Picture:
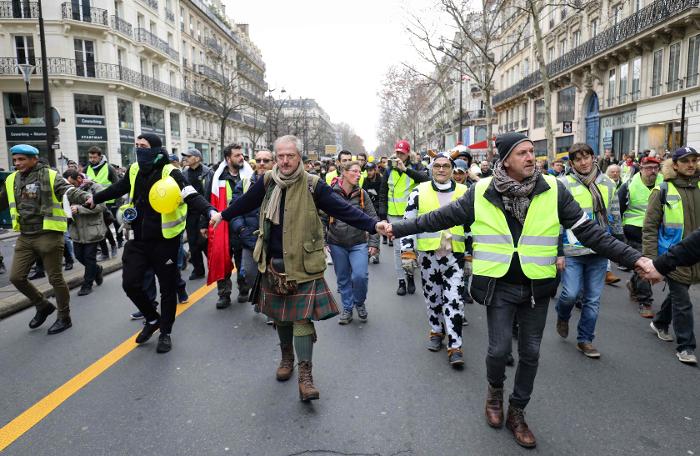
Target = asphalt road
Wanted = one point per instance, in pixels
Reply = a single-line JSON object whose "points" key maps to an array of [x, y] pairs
{"points": [[382, 392]]}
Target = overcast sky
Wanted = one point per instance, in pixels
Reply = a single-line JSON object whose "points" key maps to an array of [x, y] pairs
{"points": [[333, 51]]}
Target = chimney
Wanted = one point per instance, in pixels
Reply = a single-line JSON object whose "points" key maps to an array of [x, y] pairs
{"points": [[243, 28]]}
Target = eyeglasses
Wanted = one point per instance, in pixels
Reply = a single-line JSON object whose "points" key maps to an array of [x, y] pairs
{"points": [[262, 160], [445, 166]]}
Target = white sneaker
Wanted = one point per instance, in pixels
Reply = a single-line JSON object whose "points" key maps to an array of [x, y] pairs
{"points": [[687, 357], [661, 333]]}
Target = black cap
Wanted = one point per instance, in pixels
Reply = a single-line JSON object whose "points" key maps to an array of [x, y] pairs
{"points": [[153, 140], [371, 165], [506, 142]]}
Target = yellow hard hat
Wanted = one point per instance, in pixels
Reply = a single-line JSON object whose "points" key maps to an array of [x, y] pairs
{"points": [[165, 195]]}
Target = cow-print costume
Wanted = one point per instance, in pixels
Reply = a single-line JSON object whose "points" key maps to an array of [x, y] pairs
{"points": [[442, 278]]}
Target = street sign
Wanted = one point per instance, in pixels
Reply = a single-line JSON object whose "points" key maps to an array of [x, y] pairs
{"points": [[55, 117], [55, 146], [567, 127], [331, 150]]}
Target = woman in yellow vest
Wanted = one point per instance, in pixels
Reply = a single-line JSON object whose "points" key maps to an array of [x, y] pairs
{"points": [[515, 218], [440, 259], [156, 237]]}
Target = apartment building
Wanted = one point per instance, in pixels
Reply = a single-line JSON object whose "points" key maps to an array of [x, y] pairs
{"points": [[306, 119], [118, 68], [619, 72]]}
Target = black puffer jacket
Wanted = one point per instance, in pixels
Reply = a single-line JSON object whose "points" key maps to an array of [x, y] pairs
{"points": [[344, 235], [461, 212]]}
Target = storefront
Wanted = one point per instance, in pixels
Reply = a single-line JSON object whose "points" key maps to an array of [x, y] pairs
{"points": [[23, 125], [153, 121], [660, 124], [90, 125], [617, 132], [127, 138], [203, 148], [563, 143]]}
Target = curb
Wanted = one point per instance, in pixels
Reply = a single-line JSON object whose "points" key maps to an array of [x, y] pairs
{"points": [[18, 302]]}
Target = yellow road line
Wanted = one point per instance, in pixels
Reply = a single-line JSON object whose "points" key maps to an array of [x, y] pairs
{"points": [[37, 412]]}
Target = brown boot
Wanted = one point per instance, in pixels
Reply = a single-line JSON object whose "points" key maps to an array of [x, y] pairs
{"points": [[307, 390], [611, 278], [517, 425], [494, 407], [284, 371]]}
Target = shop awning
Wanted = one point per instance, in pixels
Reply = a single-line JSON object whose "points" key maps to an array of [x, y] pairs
{"points": [[480, 145]]}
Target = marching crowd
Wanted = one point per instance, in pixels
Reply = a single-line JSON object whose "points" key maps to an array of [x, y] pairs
{"points": [[507, 234]]}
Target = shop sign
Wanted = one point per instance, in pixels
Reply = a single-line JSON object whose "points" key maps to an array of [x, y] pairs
{"points": [[25, 134], [91, 134], [623, 120], [126, 135], [692, 106], [89, 121]]}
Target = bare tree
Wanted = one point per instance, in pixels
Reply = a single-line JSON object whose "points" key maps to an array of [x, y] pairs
{"points": [[255, 120], [475, 47], [218, 93], [351, 141]]}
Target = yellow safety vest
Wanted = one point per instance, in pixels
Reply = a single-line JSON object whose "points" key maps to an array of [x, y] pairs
{"points": [[671, 229], [172, 223], [330, 176], [537, 246], [101, 178], [638, 200], [582, 195], [56, 222], [400, 187], [427, 202]]}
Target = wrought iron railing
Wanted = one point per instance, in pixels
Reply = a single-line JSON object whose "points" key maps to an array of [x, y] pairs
{"points": [[692, 80], [84, 14], [152, 3], [674, 85], [644, 19], [21, 9], [214, 45], [170, 15], [249, 73], [122, 26], [210, 73], [252, 98], [144, 36]]}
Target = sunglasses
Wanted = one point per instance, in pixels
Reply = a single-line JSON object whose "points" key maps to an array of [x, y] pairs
{"points": [[262, 160]]}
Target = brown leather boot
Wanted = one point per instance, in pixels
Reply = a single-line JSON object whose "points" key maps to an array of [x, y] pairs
{"points": [[517, 425], [494, 407], [284, 371], [307, 390]]}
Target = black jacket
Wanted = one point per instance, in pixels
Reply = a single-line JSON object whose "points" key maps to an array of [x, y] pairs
{"points": [[373, 187], [147, 225], [685, 253], [570, 216]]}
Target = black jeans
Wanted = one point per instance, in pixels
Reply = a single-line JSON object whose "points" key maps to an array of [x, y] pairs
{"points": [[677, 308], [87, 255], [161, 256], [509, 301], [641, 287], [197, 243]]}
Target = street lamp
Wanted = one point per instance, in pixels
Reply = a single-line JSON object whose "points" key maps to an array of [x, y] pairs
{"points": [[26, 69]]}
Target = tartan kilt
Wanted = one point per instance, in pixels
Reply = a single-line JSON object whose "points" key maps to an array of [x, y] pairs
{"points": [[312, 300]]}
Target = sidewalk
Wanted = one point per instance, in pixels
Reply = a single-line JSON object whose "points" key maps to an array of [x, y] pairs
{"points": [[12, 301]]}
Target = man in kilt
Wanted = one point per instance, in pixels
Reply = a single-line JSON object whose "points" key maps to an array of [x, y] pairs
{"points": [[290, 254]]}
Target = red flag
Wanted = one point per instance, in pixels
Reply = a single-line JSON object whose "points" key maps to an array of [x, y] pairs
{"points": [[219, 256]]}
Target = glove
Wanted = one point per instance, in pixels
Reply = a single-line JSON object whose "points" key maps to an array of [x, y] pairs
{"points": [[408, 262]]}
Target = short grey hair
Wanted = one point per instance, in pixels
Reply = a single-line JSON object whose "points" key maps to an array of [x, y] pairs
{"points": [[286, 139]]}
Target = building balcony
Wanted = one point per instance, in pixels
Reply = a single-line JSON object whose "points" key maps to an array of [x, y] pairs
{"points": [[633, 26], [213, 45], [19, 10], [162, 46], [106, 72], [86, 14], [122, 26], [253, 76], [210, 74], [151, 3], [251, 98]]}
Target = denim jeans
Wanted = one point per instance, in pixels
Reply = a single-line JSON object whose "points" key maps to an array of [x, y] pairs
{"points": [[587, 273], [350, 265], [677, 308], [509, 301]]}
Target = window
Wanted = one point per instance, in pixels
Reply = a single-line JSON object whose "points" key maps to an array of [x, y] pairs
{"points": [[624, 69], [153, 28], [84, 57], [24, 47], [523, 116], [674, 65], [576, 39], [539, 114], [526, 67], [550, 54], [636, 74], [16, 110], [191, 25], [565, 104], [174, 125], [152, 120], [594, 27], [21, 9], [182, 19], [80, 10], [562, 47], [155, 69], [88, 105], [616, 14], [125, 111], [693, 57], [656, 72], [612, 82]]}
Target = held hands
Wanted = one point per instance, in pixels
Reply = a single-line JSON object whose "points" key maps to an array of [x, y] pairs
{"points": [[373, 251], [384, 228], [645, 268], [561, 263]]}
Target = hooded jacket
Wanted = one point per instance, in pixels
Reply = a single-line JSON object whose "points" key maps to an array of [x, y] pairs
{"points": [[690, 197]]}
